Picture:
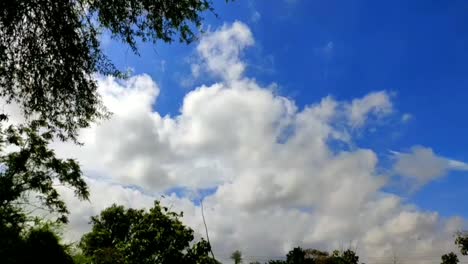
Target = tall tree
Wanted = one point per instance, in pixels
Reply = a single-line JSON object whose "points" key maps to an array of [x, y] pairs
{"points": [[130, 236], [27, 182], [49, 52], [236, 256], [450, 258]]}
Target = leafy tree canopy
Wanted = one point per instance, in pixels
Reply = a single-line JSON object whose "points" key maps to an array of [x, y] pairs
{"points": [[462, 242], [34, 245], [49, 51], [450, 258], [30, 172], [122, 235]]}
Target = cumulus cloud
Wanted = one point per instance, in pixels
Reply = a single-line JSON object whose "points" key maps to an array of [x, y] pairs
{"points": [[220, 50], [423, 165], [275, 179]]}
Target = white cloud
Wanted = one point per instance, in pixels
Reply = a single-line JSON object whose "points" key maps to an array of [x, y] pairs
{"points": [[255, 16], [220, 50], [377, 104], [422, 165], [278, 181]]}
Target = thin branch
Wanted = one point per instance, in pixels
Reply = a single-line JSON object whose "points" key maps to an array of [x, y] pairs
{"points": [[206, 228]]}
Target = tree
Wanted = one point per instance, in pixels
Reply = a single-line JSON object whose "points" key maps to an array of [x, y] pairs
{"points": [[29, 174], [295, 256], [346, 257], [43, 246], [32, 170], [49, 53], [314, 256], [122, 235], [450, 258], [237, 257], [277, 262], [50, 50], [318, 257], [79, 258], [462, 242], [36, 245]]}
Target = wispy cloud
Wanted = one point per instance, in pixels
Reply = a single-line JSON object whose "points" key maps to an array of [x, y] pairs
{"points": [[255, 16], [423, 165], [405, 118]]}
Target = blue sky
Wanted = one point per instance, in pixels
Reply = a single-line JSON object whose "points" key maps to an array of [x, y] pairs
{"points": [[416, 50]]}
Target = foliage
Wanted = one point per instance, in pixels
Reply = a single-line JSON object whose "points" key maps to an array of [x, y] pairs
{"points": [[79, 258], [276, 262], [297, 256], [36, 245], [462, 242], [50, 50], [237, 257], [27, 178], [31, 172], [122, 235], [314, 256], [43, 246], [450, 258], [149, 20], [319, 257], [346, 257]]}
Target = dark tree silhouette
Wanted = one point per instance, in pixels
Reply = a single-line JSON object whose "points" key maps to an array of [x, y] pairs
{"points": [[314, 256], [296, 256], [236, 256], [38, 245], [450, 258], [462, 242]]}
